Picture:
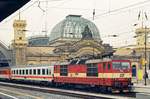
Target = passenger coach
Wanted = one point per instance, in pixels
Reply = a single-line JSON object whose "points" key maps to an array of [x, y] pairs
{"points": [[42, 73]]}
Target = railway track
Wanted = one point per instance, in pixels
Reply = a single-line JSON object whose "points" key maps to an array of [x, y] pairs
{"points": [[72, 93]]}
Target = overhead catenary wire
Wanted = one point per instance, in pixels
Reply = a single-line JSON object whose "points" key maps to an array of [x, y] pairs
{"points": [[122, 8], [26, 8], [20, 11], [96, 16], [111, 11]]}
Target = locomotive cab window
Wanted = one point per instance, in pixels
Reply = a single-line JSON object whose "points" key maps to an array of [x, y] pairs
{"points": [[63, 70], [125, 65], [92, 70], [121, 65]]}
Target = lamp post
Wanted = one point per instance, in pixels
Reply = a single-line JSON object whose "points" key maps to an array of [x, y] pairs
{"points": [[145, 29], [145, 57], [145, 48]]}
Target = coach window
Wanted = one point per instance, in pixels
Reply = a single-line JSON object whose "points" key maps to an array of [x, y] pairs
{"points": [[34, 71], [26, 71], [20, 72], [17, 72], [46, 71], [108, 66], [23, 72], [38, 71], [43, 71], [30, 71]]}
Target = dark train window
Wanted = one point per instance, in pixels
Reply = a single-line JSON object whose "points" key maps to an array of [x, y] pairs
{"points": [[92, 70], [43, 71], [38, 72], [17, 71], [23, 72], [47, 71], [34, 71], [108, 66], [30, 71], [26, 71], [63, 70], [104, 66]]}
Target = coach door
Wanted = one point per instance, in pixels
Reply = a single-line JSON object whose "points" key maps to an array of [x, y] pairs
{"points": [[106, 66], [133, 70]]}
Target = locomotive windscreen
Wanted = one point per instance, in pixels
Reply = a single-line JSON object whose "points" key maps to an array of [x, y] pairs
{"points": [[121, 65]]}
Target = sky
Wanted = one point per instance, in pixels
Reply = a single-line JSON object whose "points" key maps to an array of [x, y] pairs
{"points": [[112, 17]]}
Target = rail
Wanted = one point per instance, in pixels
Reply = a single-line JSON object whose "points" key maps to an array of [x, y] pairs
{"points": [[73, 93]]}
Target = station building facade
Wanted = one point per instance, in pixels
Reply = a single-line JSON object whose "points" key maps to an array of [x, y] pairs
{"points": [[73, 37]]}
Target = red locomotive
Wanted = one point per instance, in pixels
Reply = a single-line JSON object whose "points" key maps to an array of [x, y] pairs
{"points": [[102, 74]]}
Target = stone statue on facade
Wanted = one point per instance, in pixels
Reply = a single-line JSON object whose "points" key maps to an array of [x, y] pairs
{"points": [[87, 34]]}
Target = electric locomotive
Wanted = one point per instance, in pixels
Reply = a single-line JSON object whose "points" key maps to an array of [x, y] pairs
{"points": [[102, 74]]}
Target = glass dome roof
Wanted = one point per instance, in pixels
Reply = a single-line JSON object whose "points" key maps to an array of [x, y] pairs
{"points": [[72, 27]]}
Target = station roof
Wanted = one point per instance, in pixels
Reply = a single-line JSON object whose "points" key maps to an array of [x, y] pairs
{"points": [[7, 7]]}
